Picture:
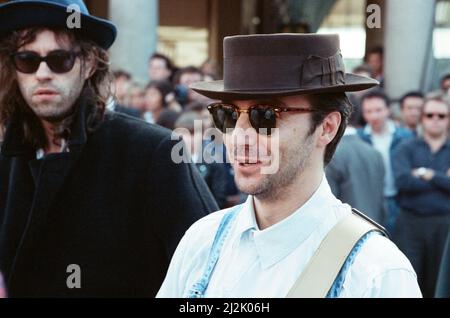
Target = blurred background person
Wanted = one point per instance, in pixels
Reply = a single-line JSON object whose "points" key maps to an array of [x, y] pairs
{"points": [[382, 133], [234, 196], [135, 97], [121, 84], [356, 174], [213, 173], [375, 60], [210, 70], [445, 85], [355, 97], [120, 87], [200, 107], [444, 88], [168, 119], [411, 110], [363, 70], [160, 68], [422, 169], [183, 79], [159, 96]]}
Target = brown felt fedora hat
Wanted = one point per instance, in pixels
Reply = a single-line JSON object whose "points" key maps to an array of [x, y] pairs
{"points": [[280, 65]]}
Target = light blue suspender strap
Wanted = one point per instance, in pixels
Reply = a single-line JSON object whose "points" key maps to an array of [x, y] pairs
{"points": [[199, 288], [338, 284]]}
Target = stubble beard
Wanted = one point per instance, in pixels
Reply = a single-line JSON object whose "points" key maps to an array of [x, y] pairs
{"points": [[58, 110], [293, 162]]}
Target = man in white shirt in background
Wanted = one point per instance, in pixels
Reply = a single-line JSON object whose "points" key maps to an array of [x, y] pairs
{"points": [[282, 97], [385, 136]]}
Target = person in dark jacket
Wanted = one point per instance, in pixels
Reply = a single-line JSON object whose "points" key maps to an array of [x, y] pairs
{"points": [[356, 175], [384, 136], [214, 173], [422, 167], [91, 202]]}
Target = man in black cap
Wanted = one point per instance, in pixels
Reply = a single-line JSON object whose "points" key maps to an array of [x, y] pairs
{"points": [[282, 109], [91, 204]]}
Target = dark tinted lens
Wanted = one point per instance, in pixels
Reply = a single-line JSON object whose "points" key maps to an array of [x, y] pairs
{"points": [[263, 119], [60, 61], [26, 62], [224, 116], [431, 115]]}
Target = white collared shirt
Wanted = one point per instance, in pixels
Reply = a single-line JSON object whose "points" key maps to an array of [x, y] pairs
{"points": [[382, 142], [266, 264]]}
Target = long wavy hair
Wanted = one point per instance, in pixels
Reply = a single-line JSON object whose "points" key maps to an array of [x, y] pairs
{"points": [[97, 89]]}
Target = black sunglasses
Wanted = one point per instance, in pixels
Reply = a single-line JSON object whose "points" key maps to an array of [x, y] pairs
{"points": [[262, 117], [431, 115], [59, 61]]}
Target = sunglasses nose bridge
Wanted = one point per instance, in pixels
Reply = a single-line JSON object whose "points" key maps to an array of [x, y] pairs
{"points": [[243, 122]]}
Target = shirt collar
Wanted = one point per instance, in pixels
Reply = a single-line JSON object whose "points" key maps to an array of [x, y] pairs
{"points": [[278, 241], [390, 128]]}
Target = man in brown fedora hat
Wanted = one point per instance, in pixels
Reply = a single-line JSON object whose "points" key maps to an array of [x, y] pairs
{"points": [[283, 96]]}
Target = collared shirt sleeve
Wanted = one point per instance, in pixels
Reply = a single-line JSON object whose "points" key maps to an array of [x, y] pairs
{"points": [[395, 283]]}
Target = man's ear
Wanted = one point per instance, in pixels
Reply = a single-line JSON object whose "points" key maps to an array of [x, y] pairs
{"points": [[330, 127]]}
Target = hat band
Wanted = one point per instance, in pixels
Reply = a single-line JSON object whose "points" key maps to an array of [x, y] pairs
{"points": [[282, 72]]}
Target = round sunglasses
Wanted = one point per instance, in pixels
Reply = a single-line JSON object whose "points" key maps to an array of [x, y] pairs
{"points": [[59, 61], [262, 117]]}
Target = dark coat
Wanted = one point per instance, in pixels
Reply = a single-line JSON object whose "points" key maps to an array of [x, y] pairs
{"points": [[215, 176], [116, 205], [127, 111], [356, 176]]}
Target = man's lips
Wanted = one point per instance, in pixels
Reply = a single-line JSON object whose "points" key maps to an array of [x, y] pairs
{"points": [[45, 92], [249, 161]]}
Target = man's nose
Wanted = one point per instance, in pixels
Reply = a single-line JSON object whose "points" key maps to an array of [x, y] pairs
{"points": [[44, 73], [244, 134]]}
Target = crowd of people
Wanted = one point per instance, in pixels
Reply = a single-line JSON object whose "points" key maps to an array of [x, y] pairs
{"points": [[394, 164], [80, 184], [168, 101]]}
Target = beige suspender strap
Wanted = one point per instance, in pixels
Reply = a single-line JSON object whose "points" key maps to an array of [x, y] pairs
{"points": [[323, 268]]}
